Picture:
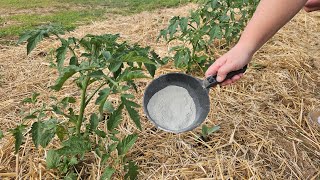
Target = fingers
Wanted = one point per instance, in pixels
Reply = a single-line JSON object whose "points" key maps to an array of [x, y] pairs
{"points": [[232, 80], [213, 69], [224, 70]]}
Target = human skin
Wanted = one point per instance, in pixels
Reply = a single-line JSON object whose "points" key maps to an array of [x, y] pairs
{"points": [[270, 16]]}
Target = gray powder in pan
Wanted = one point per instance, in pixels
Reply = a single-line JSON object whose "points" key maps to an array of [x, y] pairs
{"points": [[172, 108]]}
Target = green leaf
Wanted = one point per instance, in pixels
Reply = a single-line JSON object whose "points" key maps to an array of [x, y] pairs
{"points": [[48, 133], [108, 107], [94, 121], [151, 69], [213, 129], [112, 147], [106, 175], [134, 116], [132, 171], [17, 133], [214, 4], [124, 146], [1, 135], [34, 40], [65, 101], [61, 53], [52, 159], [100, 133], [183, 24], [26, 35], [115, 118], [97, 74], [31, 116], [103, 95], [205, 130], [75, 145], [36, 132], [107, 55], [115, 66], [65, 75], [61, 132], [128, 75], [134, 57], [127, 96], [104, 158], [33, 99]]}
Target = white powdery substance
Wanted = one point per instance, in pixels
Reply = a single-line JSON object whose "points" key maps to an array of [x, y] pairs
{"points": [[172, 108]]}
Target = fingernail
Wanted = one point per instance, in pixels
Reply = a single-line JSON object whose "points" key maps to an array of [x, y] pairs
{"points": [[219, 78]]}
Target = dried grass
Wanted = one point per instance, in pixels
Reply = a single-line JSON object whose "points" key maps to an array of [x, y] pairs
{"points": [[265, 132]]}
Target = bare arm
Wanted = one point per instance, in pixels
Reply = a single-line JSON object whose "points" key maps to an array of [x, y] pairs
{"points": [[269, 17]]}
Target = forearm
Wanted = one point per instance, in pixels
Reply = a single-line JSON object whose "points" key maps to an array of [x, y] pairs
{"points": [[269, 17]]}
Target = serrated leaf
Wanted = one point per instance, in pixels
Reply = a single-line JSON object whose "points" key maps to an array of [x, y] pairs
{"points": [[36, 132], [25, 36], [183, 24], [127, 96], [132, 171], [75, 145], [17, 133], [48, 133], [65, 75], [94, 121], [34, 40], [151, 69], [100, 133], [134, 57], [52, 159], [108, 172], [134, 116], [97, 74], [132, 74], [61, 132], [61, 53], [115, 66], [115, 118], [108, 107], [124, 146], [103, 95]]}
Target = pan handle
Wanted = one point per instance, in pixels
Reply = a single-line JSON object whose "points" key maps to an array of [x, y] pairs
{"points": [[212, 80]]}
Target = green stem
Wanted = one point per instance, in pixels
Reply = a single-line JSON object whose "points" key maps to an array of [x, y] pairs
{"points": [[95, 92], [83, 104]]}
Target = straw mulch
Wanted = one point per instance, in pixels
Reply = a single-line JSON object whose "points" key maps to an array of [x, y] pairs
{"points": [[265, 131]]}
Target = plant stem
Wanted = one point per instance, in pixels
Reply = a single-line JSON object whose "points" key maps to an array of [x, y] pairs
{"points": [[83, 104]]}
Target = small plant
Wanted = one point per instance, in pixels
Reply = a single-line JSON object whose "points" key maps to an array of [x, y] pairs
{"points": [[206, 131], [215, 19], [99, 66]]}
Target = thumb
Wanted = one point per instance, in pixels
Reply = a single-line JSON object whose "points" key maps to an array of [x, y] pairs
{"points": [[223, 71]]}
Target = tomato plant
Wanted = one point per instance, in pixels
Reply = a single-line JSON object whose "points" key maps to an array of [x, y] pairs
{"points": [[215, 19], [99, 66]]}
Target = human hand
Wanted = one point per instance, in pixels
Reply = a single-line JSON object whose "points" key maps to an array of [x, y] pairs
{"points": [[233, 60]]}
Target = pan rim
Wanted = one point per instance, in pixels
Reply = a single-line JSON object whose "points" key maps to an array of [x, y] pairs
{"points": [[189, 128]]}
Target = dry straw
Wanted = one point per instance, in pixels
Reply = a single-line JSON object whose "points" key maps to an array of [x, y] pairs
{"points": [[265, 132]]}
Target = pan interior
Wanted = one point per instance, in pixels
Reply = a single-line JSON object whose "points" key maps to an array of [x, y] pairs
{"points": [[191, 84]]}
